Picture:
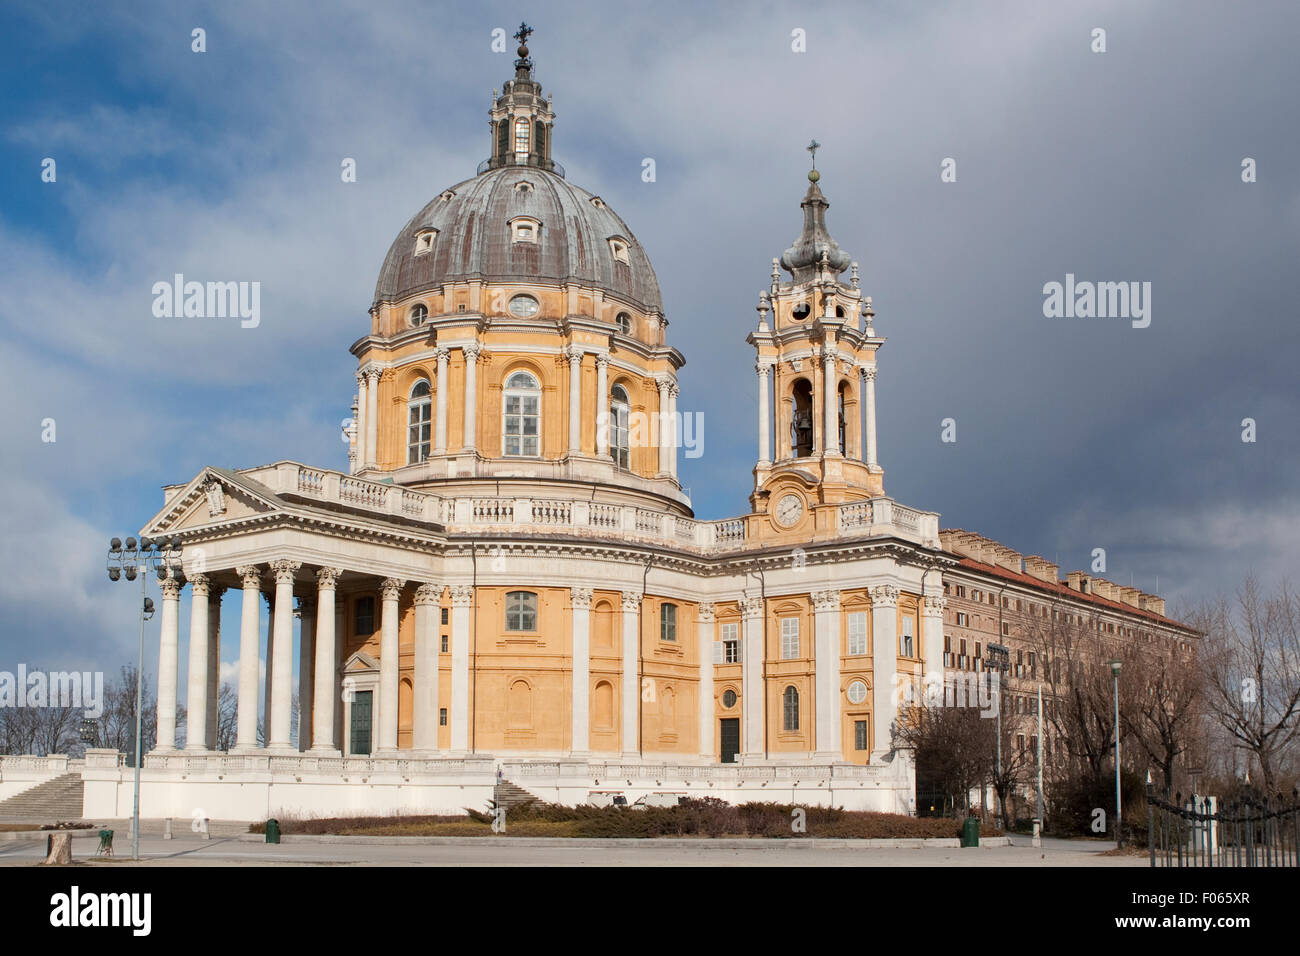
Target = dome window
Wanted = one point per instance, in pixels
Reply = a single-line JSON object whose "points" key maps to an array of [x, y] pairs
{"points": [[618, 248], [525, 229], [521, 414], [624, 322], [523, 186], [597, 202], [418, 424], [419, 314], [524, 306], [448, 195], [521, 140], [424, 241], [800, 311]]}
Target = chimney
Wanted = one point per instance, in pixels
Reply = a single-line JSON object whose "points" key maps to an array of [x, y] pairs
{"points": [[1103, 588], [1149, 602], [1129, 596], [1079, 581], [1009, 558], [1036, 567]]}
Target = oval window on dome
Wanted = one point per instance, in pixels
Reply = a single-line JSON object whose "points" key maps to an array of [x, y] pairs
{"points": [[524, 306], [801, 311]]}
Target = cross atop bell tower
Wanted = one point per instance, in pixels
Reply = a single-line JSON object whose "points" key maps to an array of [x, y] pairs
{"points": [[816, 364]]}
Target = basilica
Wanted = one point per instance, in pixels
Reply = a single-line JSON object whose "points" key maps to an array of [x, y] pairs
{"points": [[507, 582]]}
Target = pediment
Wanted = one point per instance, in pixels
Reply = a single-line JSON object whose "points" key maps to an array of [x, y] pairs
{"points": [[211, 498], [360, 662]]}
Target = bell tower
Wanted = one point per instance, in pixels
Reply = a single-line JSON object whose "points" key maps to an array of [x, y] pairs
{"points": [[521, 118], [816, 364]]}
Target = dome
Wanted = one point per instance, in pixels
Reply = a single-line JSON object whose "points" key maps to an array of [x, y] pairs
{"points": [[579, 238], [804, 257]]}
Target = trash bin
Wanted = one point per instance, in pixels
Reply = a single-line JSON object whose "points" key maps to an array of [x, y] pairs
{"points": [[105, 843], [970, 832], [272, 831]]}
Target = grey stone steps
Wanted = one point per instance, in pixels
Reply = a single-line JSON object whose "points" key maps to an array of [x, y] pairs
{"points": [[50, 802]]}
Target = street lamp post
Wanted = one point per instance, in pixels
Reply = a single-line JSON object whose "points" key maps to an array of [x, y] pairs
{"points": [[1000, 655], [128, 562], [1119, 833]]}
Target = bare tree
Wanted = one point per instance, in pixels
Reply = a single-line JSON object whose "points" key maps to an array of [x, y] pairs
{"points": [[1250, 662], [1161, 708]]}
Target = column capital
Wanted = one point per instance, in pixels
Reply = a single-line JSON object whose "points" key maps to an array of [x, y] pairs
{"points": [[933, 605], [328, 578], [171, 588], [391, 588], [705, 612], [580, 598], [869, 371], [284, 570], [574, 353], [631, 600], [472, 351], [372, 372], [826, 600], [663, 382], [250, 575], [886, 595], [751, 608], [673, 389], [427, 594], [763, 368], [361, 379], [441, 353], [462, 595], [602, 360], [215, 591], [199, 585]]}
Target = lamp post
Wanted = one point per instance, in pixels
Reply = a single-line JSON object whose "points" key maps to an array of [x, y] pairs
{"points": [[1119, 833], [136, 559], [1000, 655]]}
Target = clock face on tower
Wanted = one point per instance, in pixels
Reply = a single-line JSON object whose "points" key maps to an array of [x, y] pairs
{"points": [[789, 510]]}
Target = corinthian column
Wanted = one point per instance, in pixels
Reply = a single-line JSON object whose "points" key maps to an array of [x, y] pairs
{"points": [[324, 686], [884, 666], [831, 425], [391, 591], [360, 427], [631, 673], [214, 661], [196, 698], [665, 425], [764, 401], [574, 354], [246, 716], [462, 602], [869, 373], [282, 669], [580, 736], [424, 735], [826, 625], [306, 673], [167, 653], [440, 421], [706, 619], [752, 691], [602, 404], [372, 414], [472, 351], [672, 429]]}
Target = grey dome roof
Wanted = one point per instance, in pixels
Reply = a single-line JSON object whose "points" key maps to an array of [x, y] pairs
{"points": [[802, 258], [474, 239]]}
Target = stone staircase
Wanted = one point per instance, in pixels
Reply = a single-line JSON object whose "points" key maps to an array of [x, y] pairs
{"points": [[50, 802], [506, 794]]}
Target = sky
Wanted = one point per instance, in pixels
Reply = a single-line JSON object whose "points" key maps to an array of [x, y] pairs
{"points": [[1072, 434]]}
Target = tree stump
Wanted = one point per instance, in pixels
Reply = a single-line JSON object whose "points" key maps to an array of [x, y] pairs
{"points": [[60, 848]]}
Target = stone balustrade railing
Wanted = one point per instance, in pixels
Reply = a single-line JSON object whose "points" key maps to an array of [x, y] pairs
{"points": [[28, 762], [597, 771], [869, 518]]}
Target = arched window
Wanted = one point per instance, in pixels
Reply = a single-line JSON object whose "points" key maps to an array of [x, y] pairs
{"points": [[624, 322], [844, 422], [521, 140], [790, 706], [801, 424], [521, 611], [619, 441], [418, 423], [521, 413], [419, 313]]}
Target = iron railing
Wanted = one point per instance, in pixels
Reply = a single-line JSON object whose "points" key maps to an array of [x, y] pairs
{"points": [[1250, 830]]}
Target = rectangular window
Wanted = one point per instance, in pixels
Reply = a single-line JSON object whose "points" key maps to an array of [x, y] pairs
{"points": [[668, 622], [442, 716], [522, 425], [1006, 629], [418, 432], [978, 650], [789, 638], [961, 590], [363, 616], [521, 611], [905, 640], [858, 632], [963, 620], [444, 643], [860, 735], [730, 643], [444, 615]]}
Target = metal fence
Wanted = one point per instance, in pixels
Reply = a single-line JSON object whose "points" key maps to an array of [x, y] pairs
{"points": [[1251, 829]]}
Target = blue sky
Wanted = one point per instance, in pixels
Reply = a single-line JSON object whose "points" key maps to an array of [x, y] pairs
{"points": [[1072, 434]]}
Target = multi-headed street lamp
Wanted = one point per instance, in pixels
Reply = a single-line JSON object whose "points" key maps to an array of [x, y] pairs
{"points": [[1119, 832], [130, 561]]}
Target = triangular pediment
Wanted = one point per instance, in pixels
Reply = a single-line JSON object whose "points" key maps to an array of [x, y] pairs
{"points": [[360, 662], [212, 497]]}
